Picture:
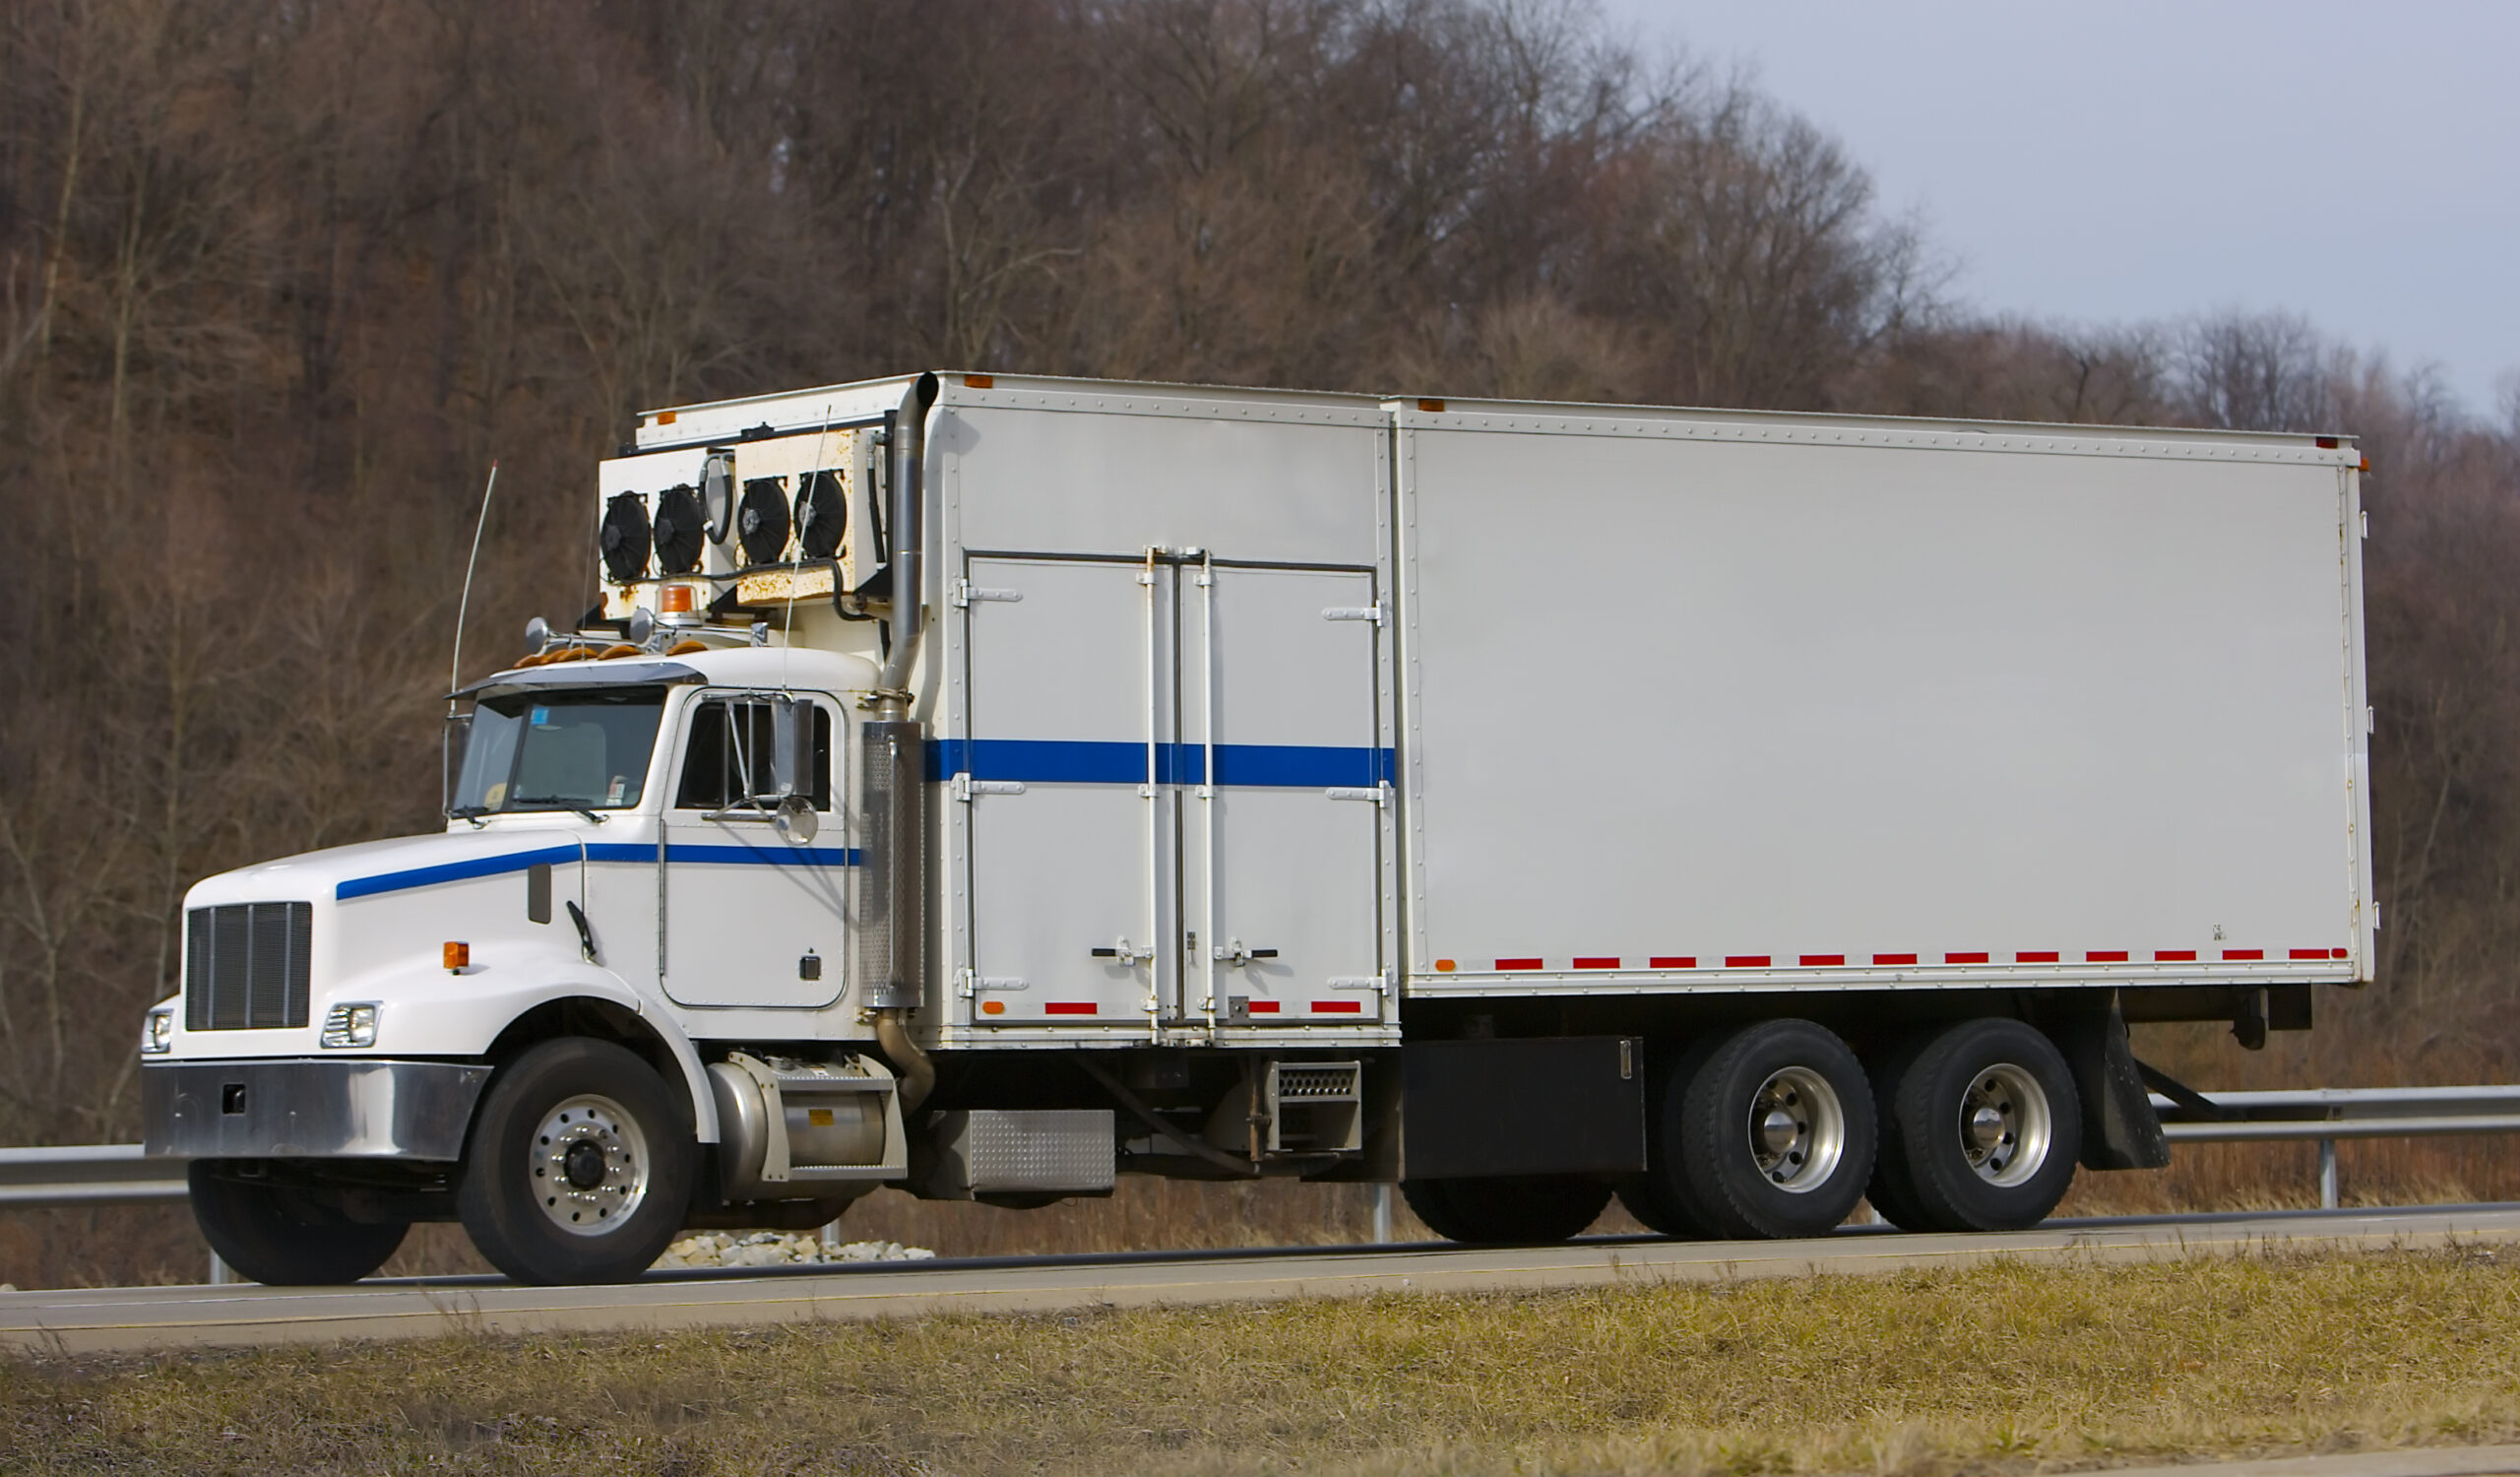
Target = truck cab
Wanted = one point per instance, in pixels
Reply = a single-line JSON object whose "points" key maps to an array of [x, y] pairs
{"points": [[640, 851]]}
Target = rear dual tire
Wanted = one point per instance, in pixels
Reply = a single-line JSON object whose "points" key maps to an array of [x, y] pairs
{"points": [[1507, 1209], [1981, 1130], [1764, 1133]]}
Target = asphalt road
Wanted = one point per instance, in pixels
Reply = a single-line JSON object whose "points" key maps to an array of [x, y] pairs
{"points": [[137, 1318]]}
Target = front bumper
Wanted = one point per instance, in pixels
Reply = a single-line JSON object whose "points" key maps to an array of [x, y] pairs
{"points": [[310, 1110]]}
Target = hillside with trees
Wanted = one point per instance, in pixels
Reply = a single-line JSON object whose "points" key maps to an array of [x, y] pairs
{"points": [[278, 281]]}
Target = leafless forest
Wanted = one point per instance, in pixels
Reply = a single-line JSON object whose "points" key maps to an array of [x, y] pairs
{"points": [[279, 279]]}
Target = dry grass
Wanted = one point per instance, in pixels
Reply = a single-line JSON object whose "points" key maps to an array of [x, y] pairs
{"points": [[1998, 1369]]}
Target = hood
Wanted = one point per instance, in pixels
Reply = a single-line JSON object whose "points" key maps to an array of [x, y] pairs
{"points": [[321, 876]]}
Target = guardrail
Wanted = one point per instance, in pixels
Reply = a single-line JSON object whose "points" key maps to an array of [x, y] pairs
{"points": [[91, 1174], [122, 1173], [2324, 1115]]}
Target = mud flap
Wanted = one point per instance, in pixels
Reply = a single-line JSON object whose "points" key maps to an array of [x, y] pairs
{"points": [[2121, 1130]]}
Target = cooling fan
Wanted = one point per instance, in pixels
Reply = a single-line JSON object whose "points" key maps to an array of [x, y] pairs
{"points": [[625, 538], [680, 522], [761, 521], [821, 514]]}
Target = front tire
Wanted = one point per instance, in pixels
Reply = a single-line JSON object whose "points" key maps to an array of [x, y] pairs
{"points": [[1507, 1209], [284, 1236], [580, 1166], [1981, 1127]]}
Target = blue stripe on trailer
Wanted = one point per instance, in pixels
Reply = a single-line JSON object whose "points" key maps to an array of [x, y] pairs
{"points": [[450, 871], [1047, 761]]}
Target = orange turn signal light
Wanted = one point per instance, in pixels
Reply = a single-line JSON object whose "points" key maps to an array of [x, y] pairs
{"points": [[457, 955], [1443, 966], [674, 599]]}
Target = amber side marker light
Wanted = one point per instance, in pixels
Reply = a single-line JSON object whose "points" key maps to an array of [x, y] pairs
{"points": [[459, 955], [674, 599], [1443, 966], [980, 381], [1431, 407]]}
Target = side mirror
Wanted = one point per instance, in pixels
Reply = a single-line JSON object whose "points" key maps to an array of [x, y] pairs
{"points": [[459, 729], [718, 493], [796, 821], [792, 748]]}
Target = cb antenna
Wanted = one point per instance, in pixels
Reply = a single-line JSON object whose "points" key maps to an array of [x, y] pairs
{"points": [[455, 669]]}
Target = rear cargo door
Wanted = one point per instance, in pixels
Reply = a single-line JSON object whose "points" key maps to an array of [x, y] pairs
{"points": [[1286, 789], [1073, 809]]}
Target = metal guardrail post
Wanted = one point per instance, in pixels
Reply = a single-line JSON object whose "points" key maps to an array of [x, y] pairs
{"points": [[1382, 1213], [2327, 1174]]}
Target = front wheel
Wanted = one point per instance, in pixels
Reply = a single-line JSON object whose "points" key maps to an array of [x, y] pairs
{"points": [[284, 1236], [1507, 1209], [580, 1166]]}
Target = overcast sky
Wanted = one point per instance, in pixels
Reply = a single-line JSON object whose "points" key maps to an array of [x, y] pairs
{"points": [[2134, 160]]}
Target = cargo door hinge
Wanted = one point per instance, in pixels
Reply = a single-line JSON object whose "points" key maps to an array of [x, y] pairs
{"points": [[972, 982], [965, 786], [1375, 613], [965, 594], [1377, 794]]}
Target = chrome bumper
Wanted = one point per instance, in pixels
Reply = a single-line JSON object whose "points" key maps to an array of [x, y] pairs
{"points": [[309, 1110]]}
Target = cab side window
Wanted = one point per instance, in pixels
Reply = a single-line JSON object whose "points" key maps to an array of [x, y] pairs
{"points": [[727, 763]]}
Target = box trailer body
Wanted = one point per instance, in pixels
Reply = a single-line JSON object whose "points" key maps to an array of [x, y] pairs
{"points": [[1268, 782]]}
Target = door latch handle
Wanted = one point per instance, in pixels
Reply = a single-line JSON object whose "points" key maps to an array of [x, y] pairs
{"points": [[1124, 954], [1234, 955]]}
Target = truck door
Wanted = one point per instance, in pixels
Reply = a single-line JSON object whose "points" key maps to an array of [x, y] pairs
{"points": [[1067, 773], [1288, 786], [750, 918], [1110, 882]]}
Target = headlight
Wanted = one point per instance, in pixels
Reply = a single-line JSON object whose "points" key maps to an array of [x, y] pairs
{"points": [[352, 1025], [157, 1032]]}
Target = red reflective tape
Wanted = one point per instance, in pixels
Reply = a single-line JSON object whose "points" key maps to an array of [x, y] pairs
{"points": [[1338, 1007], [2338, 953], [1823, 958], [1068, 1007], [1893, 958], [1262, 1007], [1673, 961], [2309, 953], [2035, 956], [1746, 961], [1975, 958], [1517, 964], [2243, 954], [2169, 956], [1596, 961], [2107, 956]]}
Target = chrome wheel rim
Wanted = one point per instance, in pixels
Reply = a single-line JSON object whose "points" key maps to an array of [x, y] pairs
{"points": [[589, 1165], [1797, 1129], [2005, 1127]]}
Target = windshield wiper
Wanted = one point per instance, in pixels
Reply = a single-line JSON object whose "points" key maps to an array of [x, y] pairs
{"points": [[559, 803], [472, 813]]}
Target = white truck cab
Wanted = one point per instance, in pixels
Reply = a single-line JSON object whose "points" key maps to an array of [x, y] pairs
{"points": [[989, 786]]}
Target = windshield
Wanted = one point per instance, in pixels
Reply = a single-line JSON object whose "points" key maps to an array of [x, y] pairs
{"points": [[580, 751]]}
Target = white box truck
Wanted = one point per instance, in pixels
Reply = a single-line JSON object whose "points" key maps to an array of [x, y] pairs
{"points": [[989, 786]]}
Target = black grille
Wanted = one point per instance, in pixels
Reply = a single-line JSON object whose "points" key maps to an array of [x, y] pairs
{"points": [[245, 966]]}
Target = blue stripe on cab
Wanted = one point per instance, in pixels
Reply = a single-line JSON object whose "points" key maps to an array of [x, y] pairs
{"points": [[451, 871], [1041, 761]]}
